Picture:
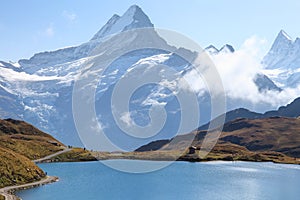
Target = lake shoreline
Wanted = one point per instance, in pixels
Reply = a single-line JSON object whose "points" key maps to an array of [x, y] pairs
{"points": [[79, 155], [171, 156], [9, 191]]}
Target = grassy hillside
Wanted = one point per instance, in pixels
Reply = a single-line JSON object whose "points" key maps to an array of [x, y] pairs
{"points": [[272, 139], [16, 169], [277, 134], [27, 140], [20, 143], [75, 155]]}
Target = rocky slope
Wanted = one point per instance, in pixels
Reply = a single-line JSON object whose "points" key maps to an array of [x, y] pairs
{"points": [[290, 110]]}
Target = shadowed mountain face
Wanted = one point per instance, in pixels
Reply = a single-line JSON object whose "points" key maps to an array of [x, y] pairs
{"points": [[275, 134], [290, 110]]}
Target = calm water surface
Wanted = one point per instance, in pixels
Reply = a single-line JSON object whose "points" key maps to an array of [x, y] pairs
{"points": [[181, 180]]}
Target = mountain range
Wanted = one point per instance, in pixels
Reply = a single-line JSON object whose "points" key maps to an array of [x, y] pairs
{"points": [[39, 89], [291, 110]]}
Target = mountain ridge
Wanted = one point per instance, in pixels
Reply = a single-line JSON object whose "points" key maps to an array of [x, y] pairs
{"points": [[274, 139], [212, 50], [290, 110]]}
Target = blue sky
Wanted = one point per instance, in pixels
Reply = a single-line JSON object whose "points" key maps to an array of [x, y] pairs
{"points": [[32, 26]]}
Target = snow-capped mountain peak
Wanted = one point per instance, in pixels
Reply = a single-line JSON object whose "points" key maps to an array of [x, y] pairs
{"points": [[283, 60], [134, 17], [106, 28], [227, 49], [212, 50], [282, 33], [282, 42], [280, 48]]}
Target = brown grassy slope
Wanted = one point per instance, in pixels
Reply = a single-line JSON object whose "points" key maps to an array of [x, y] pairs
{"points": [[16, 169], [27, 140], [277, 134], [276, 138], [75, 155]]}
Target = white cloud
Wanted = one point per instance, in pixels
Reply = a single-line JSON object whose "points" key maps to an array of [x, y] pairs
{"points": [[98, 126], [48, 31], [193, 82], [126, 118], [237, 71], [70, 16]]}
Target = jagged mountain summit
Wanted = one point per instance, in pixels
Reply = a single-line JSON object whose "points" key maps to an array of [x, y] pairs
{"points": [[212, 50], [282, 62], [134, 17], [282, 47]]}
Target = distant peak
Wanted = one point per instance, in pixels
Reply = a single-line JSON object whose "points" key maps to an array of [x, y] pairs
{"points": [[282, 43], [282, 33], [212, 50], [211, 47], [227, 49], [134, 8], [133, 18], [140, 19], [113, 18]]}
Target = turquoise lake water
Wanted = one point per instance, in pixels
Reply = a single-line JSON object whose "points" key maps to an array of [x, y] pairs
{"points": [[181, 180]]}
